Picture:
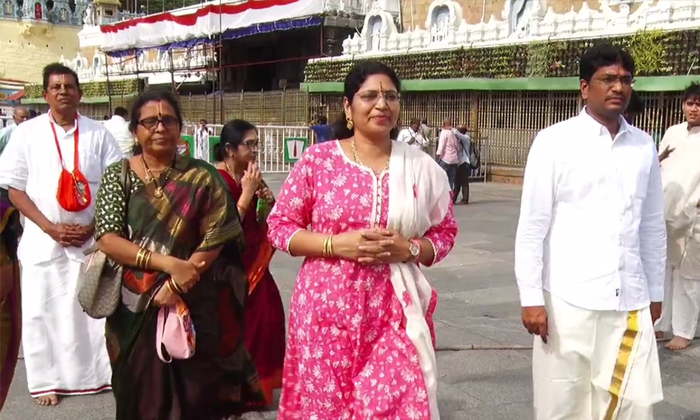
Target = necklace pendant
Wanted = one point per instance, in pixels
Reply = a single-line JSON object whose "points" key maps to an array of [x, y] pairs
{"points": [[158, 193]]}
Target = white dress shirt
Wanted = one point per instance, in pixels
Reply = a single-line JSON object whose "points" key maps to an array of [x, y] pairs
{"points": [[31, 164], [119, 129], [591, 229], [414, 138]]}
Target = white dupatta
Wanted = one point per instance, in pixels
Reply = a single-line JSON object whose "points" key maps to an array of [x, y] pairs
{"points": [[419, 198]]}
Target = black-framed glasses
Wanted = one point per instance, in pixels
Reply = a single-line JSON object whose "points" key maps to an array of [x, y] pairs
{"points": [[151, 123]]}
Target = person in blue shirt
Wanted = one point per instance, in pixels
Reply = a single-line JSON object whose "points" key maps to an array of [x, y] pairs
{"points": [[324, 132]]}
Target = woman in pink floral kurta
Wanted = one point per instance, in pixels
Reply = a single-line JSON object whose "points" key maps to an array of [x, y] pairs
{"points": [[348, 354]]}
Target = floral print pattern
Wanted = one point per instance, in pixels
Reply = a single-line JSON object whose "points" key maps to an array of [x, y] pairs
{"points": [[348, 355]]}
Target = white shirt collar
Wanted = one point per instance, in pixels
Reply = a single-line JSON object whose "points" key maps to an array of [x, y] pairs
{"points": [[590, 123]]}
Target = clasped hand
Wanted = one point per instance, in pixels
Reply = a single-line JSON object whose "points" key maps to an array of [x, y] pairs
{"points": [[70, 234], [372, 246], [185, 274]]}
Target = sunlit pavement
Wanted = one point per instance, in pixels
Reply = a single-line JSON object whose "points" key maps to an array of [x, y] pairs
{"points": [[478, 306]]}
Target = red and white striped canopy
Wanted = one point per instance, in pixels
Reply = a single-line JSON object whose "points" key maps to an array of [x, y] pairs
{"points": [[203, 21]]}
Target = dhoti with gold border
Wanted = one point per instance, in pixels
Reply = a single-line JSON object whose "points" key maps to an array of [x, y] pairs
{"points": [[597, 365]]}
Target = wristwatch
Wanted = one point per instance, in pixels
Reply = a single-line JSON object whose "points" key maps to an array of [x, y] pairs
{"points": [[414, 248]]}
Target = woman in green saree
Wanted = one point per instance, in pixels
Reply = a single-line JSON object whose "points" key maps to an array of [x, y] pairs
{"points": [[183, 242]]}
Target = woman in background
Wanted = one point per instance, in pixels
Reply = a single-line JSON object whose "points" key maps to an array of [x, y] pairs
{"points": [[236, 156], [10, 313]]}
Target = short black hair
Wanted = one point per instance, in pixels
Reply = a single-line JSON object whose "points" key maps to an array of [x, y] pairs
{"points": [[692, 91], [58, 68], [150, 96], [353, 80], [232, 135], [636, 105], [603, 55], [414, 121], [121, 111]]}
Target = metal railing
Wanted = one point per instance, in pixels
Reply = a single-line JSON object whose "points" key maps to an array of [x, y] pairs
{"points": [[271, 155]]}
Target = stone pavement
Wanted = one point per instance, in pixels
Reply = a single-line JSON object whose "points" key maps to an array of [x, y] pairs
{"points": [[478, 306]]}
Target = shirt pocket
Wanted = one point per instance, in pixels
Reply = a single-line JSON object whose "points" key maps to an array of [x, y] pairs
{"points": [[91, 167], [581, 184]]}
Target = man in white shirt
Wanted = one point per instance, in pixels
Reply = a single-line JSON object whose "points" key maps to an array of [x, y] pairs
{"points": [[20, 115], [118, 126], [413, 135], [64, 350], [201, 141], [590, 253], [681, 176]]}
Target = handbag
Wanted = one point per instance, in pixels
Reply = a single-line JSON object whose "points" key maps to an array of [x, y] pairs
{"points": [[100, 278], [175, 333]]}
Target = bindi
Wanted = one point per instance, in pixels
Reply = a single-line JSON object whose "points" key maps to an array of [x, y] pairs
{"points": [[159, 107]]}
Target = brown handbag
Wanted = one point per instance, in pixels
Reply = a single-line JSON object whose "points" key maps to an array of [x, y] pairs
{"points": [[100, 278]]}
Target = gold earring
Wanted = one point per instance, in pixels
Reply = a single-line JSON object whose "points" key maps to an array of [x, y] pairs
{"points": [[350, 124]]}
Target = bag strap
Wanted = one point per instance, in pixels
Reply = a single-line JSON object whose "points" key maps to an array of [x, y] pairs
{"points": [[125, 182]]}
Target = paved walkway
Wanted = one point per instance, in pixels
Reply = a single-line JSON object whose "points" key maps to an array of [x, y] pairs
{"points": [[478, 306]]}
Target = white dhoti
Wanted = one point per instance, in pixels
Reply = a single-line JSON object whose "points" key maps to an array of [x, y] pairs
{"points": [[597, 365], [64, 350], [681, 308]]}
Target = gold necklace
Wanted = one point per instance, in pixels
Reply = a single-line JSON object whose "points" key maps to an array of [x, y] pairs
{"points": [[158, 193], [233, 174], [359, 162]]}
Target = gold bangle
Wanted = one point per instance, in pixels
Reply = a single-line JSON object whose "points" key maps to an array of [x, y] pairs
{"points": [[139, 257], [147, 260], [169, 285], [328, 246], [176, 286]]}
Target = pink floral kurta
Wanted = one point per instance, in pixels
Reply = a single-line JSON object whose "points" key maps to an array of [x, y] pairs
{"points": [[348, 356]]}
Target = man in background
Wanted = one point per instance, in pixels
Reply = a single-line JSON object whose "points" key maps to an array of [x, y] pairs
{"points": [[413, 135], [464, 169], [119, 128], [20, 115], [680, 170], [323, 131], [201, 141]]}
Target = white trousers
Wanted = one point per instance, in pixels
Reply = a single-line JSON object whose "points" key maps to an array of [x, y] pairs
{"points": [[596, 365], [681, 308], [64, 350]]}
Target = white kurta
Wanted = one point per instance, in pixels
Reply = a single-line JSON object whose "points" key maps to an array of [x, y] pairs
{"points": [[681, 177], [201, 140], [64, 349], [591, 249]]}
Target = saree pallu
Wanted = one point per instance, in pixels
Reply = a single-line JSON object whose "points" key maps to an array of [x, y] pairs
{"points": [[193, 216], [264, 311], [10, 310]]}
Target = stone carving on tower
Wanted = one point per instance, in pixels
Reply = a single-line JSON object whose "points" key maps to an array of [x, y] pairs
{"points": [[31, 12]]}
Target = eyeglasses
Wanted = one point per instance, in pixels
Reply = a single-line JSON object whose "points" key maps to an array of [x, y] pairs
{"points": [[372, 96], [611, 80], [151, 123], [252, 144]]}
